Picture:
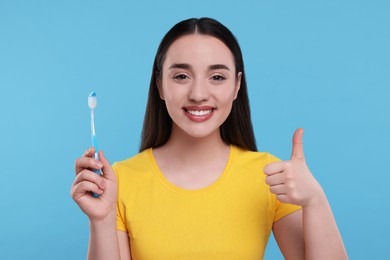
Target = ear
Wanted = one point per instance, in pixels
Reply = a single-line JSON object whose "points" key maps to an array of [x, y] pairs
{"points": [[238, 84], [159, 88]]}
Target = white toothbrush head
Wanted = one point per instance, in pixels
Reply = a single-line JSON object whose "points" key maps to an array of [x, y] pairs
{"points": [[92, 100]]}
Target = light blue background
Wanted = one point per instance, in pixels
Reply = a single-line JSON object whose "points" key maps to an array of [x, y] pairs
{"points": [[321, 65]]}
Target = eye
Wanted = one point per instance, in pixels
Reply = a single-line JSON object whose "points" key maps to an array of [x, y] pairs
{"points": [[180, 77], [218, 78]]}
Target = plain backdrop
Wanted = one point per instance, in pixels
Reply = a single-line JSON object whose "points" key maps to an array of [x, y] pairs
{"points": [[320, 65]]}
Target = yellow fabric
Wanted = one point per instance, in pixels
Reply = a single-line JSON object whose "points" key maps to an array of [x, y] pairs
{"points": [[230, 219]]}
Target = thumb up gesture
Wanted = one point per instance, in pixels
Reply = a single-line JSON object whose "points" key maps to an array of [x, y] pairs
{"points": [[291, 181]]}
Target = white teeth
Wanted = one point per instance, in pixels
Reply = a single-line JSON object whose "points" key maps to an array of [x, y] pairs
{"points": [[199, 112]]}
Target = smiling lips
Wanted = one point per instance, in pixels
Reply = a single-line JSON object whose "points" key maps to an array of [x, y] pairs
{"points": [[199, 113]]}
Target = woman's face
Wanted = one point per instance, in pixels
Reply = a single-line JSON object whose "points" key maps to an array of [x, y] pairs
{"points": [[199, 84]]}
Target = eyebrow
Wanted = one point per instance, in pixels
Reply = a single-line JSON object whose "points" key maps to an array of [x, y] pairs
{"points": [[188, 66], [218, 67]]}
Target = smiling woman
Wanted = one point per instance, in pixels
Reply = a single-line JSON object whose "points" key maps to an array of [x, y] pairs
{"points": [[237, 129], [198, 84], [199, 189]]}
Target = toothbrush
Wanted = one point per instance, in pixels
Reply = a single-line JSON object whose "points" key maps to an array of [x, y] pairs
{"points": [[92, 102]]}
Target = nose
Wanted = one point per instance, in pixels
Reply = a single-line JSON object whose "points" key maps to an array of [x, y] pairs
{"points": [[198, 91]]}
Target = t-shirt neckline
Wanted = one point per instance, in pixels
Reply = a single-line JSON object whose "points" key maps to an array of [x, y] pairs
{"points": [[178, 189]]}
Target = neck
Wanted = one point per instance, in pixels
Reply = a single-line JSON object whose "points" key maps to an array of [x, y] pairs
{"points": [[192, 162], [194, 149]]}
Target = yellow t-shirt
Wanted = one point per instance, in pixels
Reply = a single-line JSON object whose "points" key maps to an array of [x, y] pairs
{"points": [[230, 219]]}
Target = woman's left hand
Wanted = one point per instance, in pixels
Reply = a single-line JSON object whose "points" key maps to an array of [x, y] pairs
{"points": [[291, 181]]}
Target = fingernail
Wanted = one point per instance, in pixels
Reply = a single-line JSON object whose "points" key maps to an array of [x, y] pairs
{"points": [[89, 149]]}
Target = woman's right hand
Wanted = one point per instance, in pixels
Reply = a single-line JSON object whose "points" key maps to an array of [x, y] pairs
{"points": [[86, 181]]}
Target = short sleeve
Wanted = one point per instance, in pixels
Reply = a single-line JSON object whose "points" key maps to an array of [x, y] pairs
{"points": [[120, 220], [283, 209]]}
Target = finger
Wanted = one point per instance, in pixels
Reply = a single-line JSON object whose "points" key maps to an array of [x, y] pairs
{"points": [[297, 146], [108, 172], [275, 179], [84, 187], [284, 198], [87, 163], [274, 168], [89, 152], [90, 176], [278, 189]]}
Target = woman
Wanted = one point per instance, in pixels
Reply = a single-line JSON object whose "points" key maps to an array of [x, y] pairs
{"points": [[199, 189]]}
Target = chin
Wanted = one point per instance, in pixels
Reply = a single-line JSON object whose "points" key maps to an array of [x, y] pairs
{"points": [[199, 135]]}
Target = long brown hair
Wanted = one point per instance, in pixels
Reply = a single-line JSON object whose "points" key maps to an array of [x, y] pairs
{"points": [[237, 128]]}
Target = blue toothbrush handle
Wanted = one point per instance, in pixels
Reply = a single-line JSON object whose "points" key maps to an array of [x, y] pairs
{"points": [[95, 156]]}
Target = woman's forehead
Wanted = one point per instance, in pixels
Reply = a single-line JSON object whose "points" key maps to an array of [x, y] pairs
{"points": [[198, 49]]}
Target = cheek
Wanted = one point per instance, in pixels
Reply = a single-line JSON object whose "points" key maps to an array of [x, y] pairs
{"points": [[173, 96], [173, 100], [227, 97], [169, 90]]}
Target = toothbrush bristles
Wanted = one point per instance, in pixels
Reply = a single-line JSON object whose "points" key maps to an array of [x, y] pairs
{"points": [[92, 100]]}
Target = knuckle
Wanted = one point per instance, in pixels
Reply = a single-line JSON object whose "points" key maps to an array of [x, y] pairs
{"points": [[80, 164], [82, 174], [82, 185], [294, 196], [291, 186], [289, 175], [75, 190], [288, 165], [77, 162]]}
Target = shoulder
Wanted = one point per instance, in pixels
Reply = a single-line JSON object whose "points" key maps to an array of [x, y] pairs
{"points": [[134, 173], [249, 165], [255, 158], [134, 165]]}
